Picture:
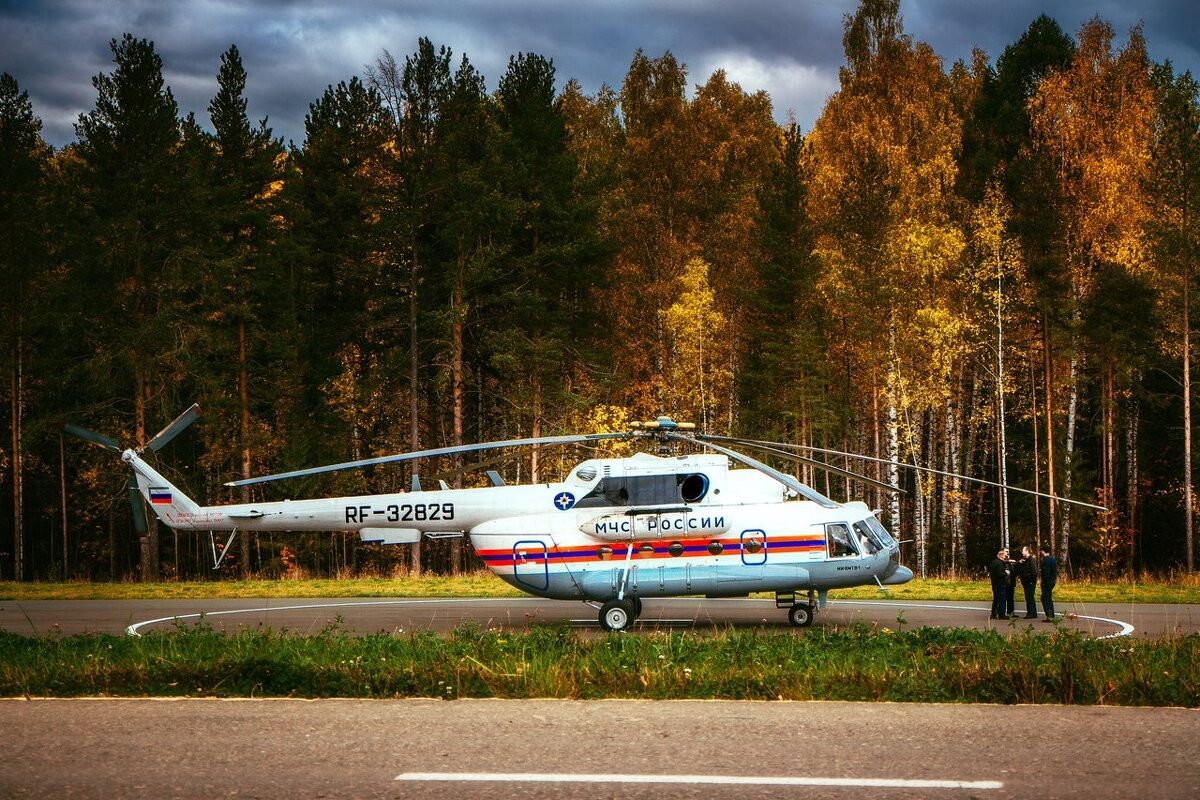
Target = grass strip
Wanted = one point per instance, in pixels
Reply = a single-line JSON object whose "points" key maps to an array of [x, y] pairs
{"points": [[858, 663]]}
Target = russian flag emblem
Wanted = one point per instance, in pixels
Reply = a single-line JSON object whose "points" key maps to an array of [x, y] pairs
{"points": [[160, 495]]}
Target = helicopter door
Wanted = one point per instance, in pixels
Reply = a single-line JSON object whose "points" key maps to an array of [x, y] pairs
{"points": [[531, 566]]}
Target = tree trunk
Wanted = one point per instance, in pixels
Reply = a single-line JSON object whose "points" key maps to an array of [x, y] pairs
{"points": [[1187, 417], [457, 383], [893, 433], [18, 516], [1131, 485], [1047, 395], [244, 401], [971, 451], [1037, 475], [1002, 443], [1064, 541], [147, 539], [875, 430], [953, 454], [413, 393]]}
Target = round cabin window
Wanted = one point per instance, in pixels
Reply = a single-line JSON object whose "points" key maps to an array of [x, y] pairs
{"points": [[715, 548], [604, 552], [675, 549], [646, 550], [752, 544], [693, 488]]}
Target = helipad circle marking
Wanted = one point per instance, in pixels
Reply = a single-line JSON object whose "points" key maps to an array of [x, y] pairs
{"points": [[133, 630], [1124, 628]]}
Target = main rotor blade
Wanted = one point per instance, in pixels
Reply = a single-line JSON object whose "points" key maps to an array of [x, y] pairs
{"points": [[931, 470], [787, 480], [802, 460], [441, 451], [107, 442], [478, 465], [174, 429]]}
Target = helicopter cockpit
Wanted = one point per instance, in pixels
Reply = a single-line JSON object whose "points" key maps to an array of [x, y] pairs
{"points": [[863, 538]]}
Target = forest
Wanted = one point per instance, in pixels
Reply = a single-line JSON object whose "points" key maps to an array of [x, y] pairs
{"points": [[981, 268]]}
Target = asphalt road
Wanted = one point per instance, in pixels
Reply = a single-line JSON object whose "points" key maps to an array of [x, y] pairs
{"points": [[366, 615], [607, 749]]}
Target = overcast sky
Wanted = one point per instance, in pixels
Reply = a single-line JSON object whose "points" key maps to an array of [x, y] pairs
{"points": [[293, 49]]}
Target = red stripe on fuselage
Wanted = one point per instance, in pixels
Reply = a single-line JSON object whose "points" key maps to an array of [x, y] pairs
{"points": [[693, 548]]}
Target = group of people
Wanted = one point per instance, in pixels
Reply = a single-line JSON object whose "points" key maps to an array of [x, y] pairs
{"points": [[1005, 572]]}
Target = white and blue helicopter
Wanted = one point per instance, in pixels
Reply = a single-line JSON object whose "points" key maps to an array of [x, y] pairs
{"points": [[613, 532]]}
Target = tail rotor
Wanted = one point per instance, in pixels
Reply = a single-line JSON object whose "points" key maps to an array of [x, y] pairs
{"points": [[160, 440]]}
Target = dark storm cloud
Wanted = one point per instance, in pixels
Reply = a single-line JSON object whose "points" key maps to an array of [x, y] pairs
{"points": [[293, 49]]}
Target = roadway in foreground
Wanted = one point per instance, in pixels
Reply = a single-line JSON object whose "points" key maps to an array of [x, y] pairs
{"points": [[468, 749], [397, 615]]}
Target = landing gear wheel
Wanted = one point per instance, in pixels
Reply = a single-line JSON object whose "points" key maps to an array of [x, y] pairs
{"points": [[801, 615], [617, 615]]}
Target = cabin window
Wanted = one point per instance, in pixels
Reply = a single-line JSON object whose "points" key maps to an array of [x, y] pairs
{"points": [[715, 547], [692, 488], [675, 549], [604, 552], [646, 550], [841, 545], [646, 490]]}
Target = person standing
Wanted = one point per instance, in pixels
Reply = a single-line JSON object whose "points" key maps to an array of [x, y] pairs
{"points": [[1010, 588], [998, 572], [1049, 578], [1027, 569]]}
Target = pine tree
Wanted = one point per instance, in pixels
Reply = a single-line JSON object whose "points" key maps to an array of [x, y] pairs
{"points": [[135, 224], [23, 267]]}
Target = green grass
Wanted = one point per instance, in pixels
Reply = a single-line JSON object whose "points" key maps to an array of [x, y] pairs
{"points": [[859, 663], [481, 584], [1182, 588]]}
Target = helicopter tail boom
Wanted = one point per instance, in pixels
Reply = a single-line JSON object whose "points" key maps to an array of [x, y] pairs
{"points": [[169, 504]]}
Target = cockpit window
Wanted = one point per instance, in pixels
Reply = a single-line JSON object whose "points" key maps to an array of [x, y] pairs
{"points": [[868, 542], [841, 545], [880, 531], [646, 490]]}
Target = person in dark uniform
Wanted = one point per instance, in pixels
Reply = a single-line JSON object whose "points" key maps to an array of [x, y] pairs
{"points": [[1049, 578], [1010, 588], [1027, 570], [998, 572]]}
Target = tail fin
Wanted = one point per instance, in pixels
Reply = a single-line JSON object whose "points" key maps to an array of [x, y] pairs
{"points": [[168, 503]]}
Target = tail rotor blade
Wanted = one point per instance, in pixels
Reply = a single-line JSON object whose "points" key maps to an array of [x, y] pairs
{"points": [[135, 501], [174, 429], [107, 442]]}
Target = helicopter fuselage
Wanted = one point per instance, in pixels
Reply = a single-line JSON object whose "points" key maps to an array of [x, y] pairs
{"points": [[644, 526]]}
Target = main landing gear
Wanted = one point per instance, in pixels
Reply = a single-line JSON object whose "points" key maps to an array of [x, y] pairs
{"points": [[618, 615], [800, 613]]}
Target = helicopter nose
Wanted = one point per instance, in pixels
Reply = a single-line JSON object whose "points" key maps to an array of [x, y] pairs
{"points": [[900, 574]]}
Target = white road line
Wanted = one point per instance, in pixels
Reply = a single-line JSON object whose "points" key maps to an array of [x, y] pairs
{"points": [[1124, 628], [712, 780]]}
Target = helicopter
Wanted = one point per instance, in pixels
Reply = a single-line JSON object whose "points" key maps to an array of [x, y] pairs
{"points": [[613, 532]]}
